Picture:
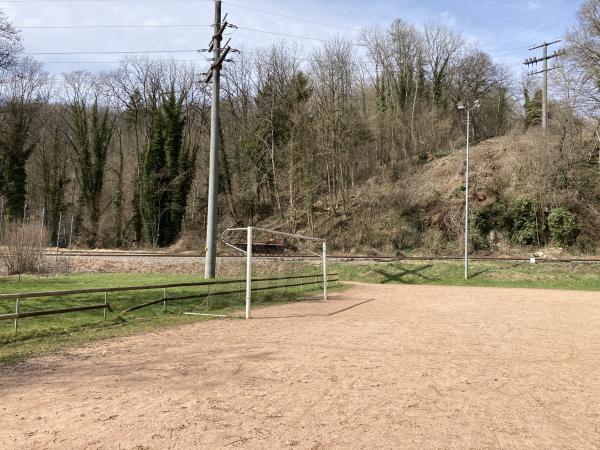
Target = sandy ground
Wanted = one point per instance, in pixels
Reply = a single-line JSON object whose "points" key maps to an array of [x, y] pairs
{"points": [[413, 367]]}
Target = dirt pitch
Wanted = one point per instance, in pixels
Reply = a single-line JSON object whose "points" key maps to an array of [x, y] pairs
{"points": [[414, 367]]}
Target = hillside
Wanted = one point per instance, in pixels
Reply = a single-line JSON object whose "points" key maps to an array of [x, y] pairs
{"points": [[514, 190]]}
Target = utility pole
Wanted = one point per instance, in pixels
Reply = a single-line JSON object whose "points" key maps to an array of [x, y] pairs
{"points": [[214, 74], [544, 59]]}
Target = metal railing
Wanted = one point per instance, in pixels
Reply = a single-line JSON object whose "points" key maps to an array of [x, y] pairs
{"points": [[305, 280]]}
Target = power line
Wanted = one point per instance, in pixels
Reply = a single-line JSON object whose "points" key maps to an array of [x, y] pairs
{"points": [[508, 46], [113, 61], [276, 33], [502, 49], [106, 1], [76, 27], [111, 52], [235, 5], [317, 22], [252, 30]]}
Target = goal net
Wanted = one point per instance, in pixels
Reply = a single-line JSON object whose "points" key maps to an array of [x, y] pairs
{"points": [[250, 246]]}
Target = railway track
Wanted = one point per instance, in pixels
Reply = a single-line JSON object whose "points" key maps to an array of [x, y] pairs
{"points": [[92, 254]]}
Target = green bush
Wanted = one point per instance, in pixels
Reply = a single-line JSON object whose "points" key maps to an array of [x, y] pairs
{"points": [[563, 226], [490, 218], [526, 229], [480, 243]]}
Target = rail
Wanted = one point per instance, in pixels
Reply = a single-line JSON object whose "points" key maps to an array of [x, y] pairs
{"points": [[384, 258], [18, 297]]}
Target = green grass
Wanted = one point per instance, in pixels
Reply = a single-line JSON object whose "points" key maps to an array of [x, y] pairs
{"points": [[486, 274], [39, 336]]}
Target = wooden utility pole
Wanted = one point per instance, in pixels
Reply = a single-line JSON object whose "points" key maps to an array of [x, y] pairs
{"points": [[544, 59], [214, 75]]}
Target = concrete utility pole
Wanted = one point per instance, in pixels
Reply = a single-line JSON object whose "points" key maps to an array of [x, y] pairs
{"points": [[219, 56], [544, 59]]}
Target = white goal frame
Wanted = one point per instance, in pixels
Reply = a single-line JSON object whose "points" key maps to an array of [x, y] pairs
{"points": [[248, 253]]}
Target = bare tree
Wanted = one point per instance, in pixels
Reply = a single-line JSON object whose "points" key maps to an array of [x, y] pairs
{"points": [[442, 46], [10, 43]]}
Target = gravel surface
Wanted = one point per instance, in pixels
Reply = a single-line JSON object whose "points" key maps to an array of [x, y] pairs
{"points": [[175, 265], [376, 367]]}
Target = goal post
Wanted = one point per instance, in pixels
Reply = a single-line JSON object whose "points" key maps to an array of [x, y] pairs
{"points": [[250, 235]]}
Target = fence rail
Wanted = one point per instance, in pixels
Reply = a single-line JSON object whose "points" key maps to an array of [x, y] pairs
{"points": [[18, 314], [23, 295]]}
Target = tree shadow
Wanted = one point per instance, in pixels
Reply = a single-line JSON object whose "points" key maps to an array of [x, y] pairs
{"points": [[400, 277], [495, 269]]}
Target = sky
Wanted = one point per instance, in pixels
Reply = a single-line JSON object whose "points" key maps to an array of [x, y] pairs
{"points": [[505, 29]]}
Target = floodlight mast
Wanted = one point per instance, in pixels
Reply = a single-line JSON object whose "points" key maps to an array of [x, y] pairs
{"points": [[463, 106], [467, 196]]}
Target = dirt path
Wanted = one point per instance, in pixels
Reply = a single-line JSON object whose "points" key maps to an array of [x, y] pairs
{"points": [[416, 367]]}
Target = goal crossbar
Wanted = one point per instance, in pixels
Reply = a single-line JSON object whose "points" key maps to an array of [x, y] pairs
{"points": [[248, 252]]}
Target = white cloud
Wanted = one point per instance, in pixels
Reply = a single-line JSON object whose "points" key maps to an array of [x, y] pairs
{"points": [[448, 19]]}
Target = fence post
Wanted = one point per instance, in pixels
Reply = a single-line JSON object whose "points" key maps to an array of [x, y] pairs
{"points": [[17, 312], [248, 272], [71, 234], [324, 270], [105, 304], [42, 250], [164, 299], [58, 231], [1, 218], [42, 227]]}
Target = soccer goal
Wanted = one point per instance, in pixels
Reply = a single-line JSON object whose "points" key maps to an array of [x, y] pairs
{"points": [[250, 244]]}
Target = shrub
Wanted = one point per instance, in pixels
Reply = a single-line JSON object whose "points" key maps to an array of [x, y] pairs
{"points": [[563, 226], [23, 248], [434, 241], [585, 244], [405, 238], [525, 227], [490, 218]]}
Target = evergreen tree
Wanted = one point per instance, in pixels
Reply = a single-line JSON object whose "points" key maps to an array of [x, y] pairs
{"points": [[151, 195], [166, 178], [54, 180], [17, 151], [25, 85], [117, 201], [533, 109], [92, 132]]}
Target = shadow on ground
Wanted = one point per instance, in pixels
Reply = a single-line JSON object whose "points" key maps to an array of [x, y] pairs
{"points": [[495, 269], [401, 274]]}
